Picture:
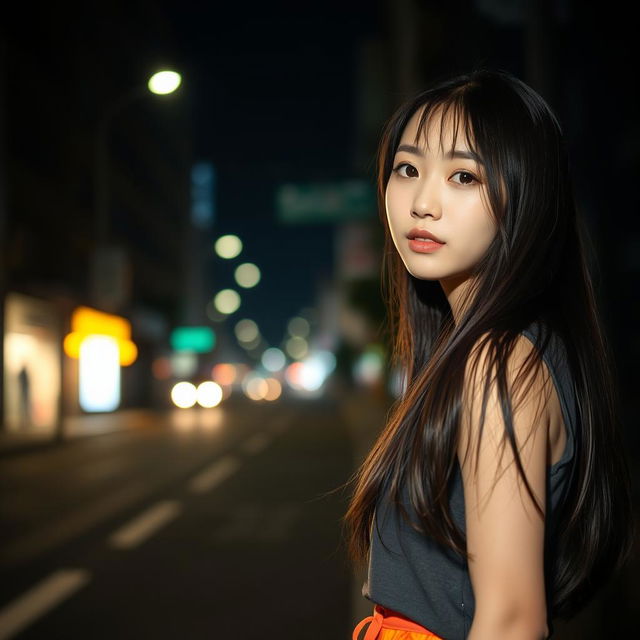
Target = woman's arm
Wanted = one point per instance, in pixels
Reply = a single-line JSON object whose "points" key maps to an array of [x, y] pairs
{"points": [[505, 532]]}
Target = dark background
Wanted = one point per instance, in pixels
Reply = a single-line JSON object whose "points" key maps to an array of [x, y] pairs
{"points": [[274, 93]]}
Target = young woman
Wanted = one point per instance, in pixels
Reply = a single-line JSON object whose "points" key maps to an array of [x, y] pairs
{"points": [[497, 496]]}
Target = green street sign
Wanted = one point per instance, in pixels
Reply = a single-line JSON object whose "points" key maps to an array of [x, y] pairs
{"points": [[198, 339], [325, 202]]}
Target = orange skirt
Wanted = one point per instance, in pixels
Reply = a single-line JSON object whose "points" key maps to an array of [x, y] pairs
{"points": [[386, 624]]}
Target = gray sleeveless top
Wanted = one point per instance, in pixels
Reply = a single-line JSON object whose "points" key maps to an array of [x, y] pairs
{"points": [[430, 584]]}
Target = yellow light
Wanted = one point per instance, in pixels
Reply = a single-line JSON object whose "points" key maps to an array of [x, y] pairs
{"points": [[128, 352], [164, 82], [87, 322], [71, 344], [91, 321]]}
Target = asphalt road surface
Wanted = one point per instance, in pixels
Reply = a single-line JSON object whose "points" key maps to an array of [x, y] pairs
{"points": [[206, 524]]}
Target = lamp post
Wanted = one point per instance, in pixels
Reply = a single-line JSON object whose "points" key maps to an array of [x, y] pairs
{"points": [[108, 262]]}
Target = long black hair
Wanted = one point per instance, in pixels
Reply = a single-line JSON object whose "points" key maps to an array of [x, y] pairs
{"points": [[536, 269]]}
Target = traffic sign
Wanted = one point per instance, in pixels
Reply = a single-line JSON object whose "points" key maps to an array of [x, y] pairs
{"points": [[299, 203]]}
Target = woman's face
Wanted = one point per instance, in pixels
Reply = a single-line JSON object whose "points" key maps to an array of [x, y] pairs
{"points": [[442, 191]]}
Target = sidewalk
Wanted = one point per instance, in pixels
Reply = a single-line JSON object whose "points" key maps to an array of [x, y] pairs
{"points": [[84, 425], [92, 424]]}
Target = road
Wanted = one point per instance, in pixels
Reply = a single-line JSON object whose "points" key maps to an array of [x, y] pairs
{"points": [[210, 522]]}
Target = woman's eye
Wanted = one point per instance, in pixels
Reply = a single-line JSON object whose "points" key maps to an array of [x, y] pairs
{"points": [[464, 177], [406, 170]]}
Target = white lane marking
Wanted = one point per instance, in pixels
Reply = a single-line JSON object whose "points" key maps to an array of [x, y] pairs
{"points": [[256, 443], [214, 474], [70, 524], [44, 596], [145, 525]]}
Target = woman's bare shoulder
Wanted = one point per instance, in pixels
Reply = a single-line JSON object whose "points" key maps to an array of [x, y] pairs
{"points": [[528, 381]]}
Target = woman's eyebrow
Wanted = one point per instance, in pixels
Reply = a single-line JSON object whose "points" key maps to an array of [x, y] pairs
{"points": [[451, 154], [465, 155], [410, 148]]}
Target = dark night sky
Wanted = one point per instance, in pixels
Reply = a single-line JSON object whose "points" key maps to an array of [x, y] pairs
{"points": [[274, 89]]}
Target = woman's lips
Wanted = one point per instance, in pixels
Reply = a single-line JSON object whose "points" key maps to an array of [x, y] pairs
{"points": [[424, 246], [423, 233]]}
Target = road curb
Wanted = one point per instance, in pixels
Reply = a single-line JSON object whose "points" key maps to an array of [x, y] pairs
{"points": [[77, 427]]}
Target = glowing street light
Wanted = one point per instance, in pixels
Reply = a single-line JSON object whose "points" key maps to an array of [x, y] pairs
{"points": [[164, 82]]}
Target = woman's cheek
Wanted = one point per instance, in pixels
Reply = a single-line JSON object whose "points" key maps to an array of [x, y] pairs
{"points": [[393, 208]]}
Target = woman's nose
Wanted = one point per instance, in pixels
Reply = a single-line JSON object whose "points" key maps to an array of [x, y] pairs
{"points": [[426, 202]]}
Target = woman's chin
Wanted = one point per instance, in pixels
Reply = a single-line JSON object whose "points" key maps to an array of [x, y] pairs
{"points": [[421, 275]]}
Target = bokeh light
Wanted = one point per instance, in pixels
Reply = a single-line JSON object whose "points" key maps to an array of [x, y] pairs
{"points": [[184, 395], [247, 275], [208, 394], [227, 301], [161, 368], [273, 359], [224, 373], [254, 348], [228, 246], [255, 386], [298, 326], [246, 330], [368, 367], [293, 375], [327, 358], [274, 389], [184, 364], [128, 352], [312, 375], [297, 347]]}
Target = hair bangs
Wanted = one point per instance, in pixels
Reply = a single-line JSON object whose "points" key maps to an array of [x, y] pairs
{"points": [[449, 114]]}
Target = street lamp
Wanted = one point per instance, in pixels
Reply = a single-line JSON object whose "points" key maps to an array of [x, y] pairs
{"points": [[164, 82], [161, 83]]}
